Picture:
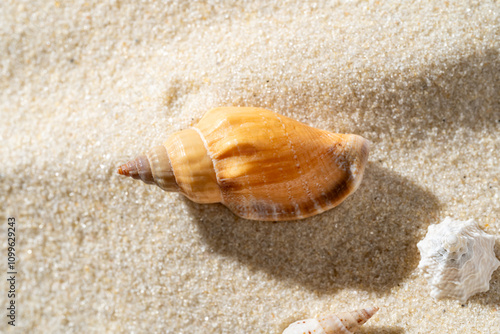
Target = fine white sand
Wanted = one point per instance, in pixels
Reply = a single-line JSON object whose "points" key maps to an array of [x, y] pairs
{"points": [[86, 85]]}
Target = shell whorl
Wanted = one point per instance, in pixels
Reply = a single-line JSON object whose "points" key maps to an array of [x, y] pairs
{"points": [[261, 165], [193, 167], [139, 169], [181, 164], [342, 323], [152, 168]]}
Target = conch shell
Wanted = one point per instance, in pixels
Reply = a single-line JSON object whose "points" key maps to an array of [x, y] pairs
{"points": [[342, 323], [261, 165], [457, 259]]}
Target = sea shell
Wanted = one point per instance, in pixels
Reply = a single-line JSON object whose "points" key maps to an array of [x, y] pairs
{"points": [[457, 259], [260, 164], [342, 323]]}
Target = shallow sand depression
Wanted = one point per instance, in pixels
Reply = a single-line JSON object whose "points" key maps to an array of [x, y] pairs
{"points": [[86, 86]]}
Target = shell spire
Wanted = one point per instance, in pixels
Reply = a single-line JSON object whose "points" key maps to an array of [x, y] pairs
{"points": [[261, 165], [151, 168], [138, 169], [342, 323]]}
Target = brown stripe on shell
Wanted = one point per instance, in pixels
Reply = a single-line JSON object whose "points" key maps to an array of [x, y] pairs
{"points": [[259, 210]]}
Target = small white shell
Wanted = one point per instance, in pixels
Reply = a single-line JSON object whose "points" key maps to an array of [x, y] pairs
{"points": [[342, 323], [457, 259]]}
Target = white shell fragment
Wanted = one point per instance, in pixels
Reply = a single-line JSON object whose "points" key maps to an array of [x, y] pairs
{"points": [[457, 259], [342, 323]]}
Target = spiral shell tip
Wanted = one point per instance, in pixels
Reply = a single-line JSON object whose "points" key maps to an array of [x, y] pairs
{"points": [[372, 310], [124, 170]]}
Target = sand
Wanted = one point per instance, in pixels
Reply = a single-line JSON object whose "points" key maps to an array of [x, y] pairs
{"points": [[84, 86]]}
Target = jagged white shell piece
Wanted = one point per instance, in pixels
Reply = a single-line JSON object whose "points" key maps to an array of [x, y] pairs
{"points": [[457, 259], [342, 323]]}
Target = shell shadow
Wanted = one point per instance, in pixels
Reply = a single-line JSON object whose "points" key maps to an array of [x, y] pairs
{"points": [[380, 330], [368, 242], [449, 95]]}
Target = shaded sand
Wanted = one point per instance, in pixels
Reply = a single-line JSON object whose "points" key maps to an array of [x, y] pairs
{"points": [[85, 86]]}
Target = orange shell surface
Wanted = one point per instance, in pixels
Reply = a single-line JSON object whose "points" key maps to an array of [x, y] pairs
{"points": [[271, 167]]}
